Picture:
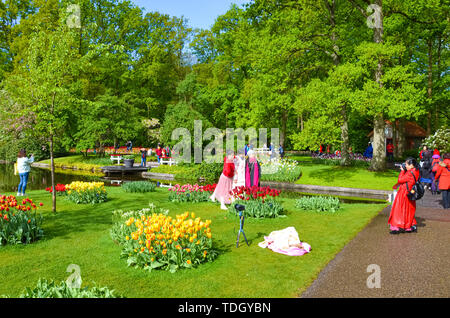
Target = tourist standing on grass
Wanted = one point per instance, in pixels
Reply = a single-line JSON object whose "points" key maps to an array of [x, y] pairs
{"points": [[23, 168], [158, 153], [443, 175], [403, 209], [222, 193], [252, 170], [143, 157]]}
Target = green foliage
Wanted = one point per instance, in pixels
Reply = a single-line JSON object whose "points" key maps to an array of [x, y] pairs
{"points": [[318, 204], [50, 289], [139, 186], [258, 208], [209, 171]]}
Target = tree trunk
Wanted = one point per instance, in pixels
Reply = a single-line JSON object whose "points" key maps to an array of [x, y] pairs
{"points": [[284, 118], [344, 136], [430, 84], [401, 137], [379, 152], [378, 162], [52, 164], [395, 138]]}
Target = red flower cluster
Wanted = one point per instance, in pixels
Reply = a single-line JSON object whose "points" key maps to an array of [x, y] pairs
{"points": [[209, 187], [58, 188], [9, 203], [253, 193]]}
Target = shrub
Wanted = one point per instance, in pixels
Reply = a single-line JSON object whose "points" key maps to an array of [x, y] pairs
{"points": [[191, 193], [157, 241], [139, 186], [258, 208], [50, 289], [19, 223], [209, 171], [318, 204], [86, 192]]}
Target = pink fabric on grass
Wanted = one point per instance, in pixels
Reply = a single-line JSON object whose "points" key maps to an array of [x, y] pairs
{"points": [[285, 242]]}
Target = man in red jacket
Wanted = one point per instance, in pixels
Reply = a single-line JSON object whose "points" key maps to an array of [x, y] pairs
{"points": [[443, 175]]}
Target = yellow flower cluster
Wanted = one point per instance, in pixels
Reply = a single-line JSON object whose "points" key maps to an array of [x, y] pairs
{"points": [[80, 186], [159, 233]]}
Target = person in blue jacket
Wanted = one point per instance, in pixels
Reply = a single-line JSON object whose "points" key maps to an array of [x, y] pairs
{"points": [[368, 153]]}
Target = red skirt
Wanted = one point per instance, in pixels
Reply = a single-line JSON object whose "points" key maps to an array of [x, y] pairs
{"points": [[403, 210]]}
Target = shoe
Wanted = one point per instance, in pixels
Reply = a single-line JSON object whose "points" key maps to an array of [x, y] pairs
{"points": [[18, 194], [223, 207], [394, 232], [413, 229]]}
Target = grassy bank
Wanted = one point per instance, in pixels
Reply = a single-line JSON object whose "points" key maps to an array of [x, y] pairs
{"points": [[79, 234], [348, 177]]}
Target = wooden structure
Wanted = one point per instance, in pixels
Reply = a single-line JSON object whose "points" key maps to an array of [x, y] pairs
{"points": [[109, 170]]}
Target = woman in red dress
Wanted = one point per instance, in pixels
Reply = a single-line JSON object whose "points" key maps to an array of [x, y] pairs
{"points": [[403, 209], [223, 189]]}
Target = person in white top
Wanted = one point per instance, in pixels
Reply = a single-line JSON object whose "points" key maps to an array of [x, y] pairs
{"points": [[239, 163], [23, 168]]}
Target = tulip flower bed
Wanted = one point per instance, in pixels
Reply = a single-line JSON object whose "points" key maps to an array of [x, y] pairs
{"points": [[139, 187], [59, 188], [191, 193], [260, 202], [86, 192], [254, 192], [157, 241], [19, 223], [318, 204]]}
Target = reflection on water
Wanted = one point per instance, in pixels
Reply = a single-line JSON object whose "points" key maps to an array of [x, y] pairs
{"points": [[39, 178]]}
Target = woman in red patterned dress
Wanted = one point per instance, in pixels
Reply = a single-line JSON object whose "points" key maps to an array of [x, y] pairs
{"points": [[403, 209]]}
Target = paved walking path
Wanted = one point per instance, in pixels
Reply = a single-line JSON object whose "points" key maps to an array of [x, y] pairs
{"points": [[411, 265]]}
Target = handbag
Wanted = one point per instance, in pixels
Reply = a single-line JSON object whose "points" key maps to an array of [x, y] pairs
{"points": [[16, 171]]}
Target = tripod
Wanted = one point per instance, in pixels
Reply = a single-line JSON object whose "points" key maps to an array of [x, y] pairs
{"points": [[241, 229]]}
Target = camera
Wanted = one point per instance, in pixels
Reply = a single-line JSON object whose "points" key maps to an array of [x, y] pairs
{"points": [[239, 207]]}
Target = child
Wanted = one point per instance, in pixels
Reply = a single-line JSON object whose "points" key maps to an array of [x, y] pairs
{"points": [[223, 189]]}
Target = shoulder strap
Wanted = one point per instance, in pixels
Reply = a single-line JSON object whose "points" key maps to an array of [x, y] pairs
{"points": [[415, 180]]}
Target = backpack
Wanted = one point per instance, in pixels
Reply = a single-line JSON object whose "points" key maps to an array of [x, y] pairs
{"points": [[417, 190]]}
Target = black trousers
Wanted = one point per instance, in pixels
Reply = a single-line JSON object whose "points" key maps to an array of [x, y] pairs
{"points": [[446, 198]]}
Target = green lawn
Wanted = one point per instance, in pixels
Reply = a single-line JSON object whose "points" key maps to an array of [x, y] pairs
{"points": [[79, 234], [348, 177]]}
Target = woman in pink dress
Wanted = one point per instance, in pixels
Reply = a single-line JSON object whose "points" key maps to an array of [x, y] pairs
{"points": [[222, 193]]}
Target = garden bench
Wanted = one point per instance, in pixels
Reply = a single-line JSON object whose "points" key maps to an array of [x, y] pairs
{"points": [[168, 160], [116, 157]]}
